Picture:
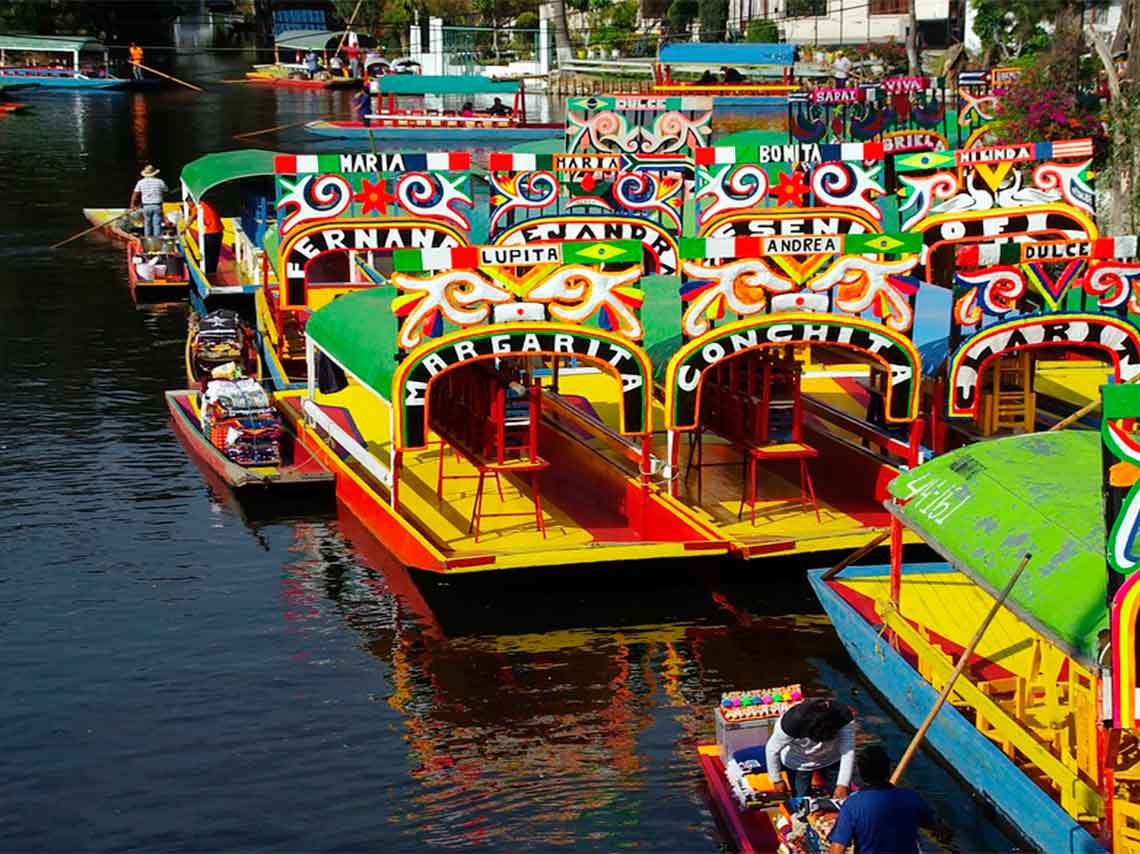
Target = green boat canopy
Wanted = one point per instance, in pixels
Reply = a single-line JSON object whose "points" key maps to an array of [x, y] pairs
{"points": [[49, 44], [201, 175], [429, 84], [359, 331], [987, 504]]}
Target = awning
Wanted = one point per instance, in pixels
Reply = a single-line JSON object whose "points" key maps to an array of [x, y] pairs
{"points": [[715, 55], [427, 84], [359, 331], [207, 172], [315, 39], [49, 44], [982, 507]]}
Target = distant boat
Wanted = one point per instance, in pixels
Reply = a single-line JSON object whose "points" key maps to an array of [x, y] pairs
{"points": [[87, 65], [401, 123], [296, 75]]}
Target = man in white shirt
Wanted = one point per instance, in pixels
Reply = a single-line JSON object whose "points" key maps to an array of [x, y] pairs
{"points": [[841, 68], [150, 192], [815, 735]]}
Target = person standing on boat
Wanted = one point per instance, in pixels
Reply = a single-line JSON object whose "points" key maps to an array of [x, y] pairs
{"points": [[362, 105], [840, 69], [212, 230], [150, 191], [879, 818], [136, 54], [815, 735]]}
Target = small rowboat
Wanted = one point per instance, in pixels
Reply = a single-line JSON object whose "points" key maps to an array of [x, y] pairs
{"points": [[219, 337], [752, 830], [297, 469], [11, 107], [295, 77]]}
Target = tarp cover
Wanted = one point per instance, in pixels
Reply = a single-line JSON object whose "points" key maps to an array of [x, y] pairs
{"points": [[985, 505], [715, 55]]}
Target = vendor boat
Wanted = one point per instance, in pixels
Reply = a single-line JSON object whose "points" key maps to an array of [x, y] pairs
{"points": [[233, 430], [86, 64], [393, 123], [295, 75], [1043, 721], [216, 339], [156, 270]]}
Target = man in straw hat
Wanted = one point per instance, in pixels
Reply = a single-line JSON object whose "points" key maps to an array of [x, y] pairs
{"points": [[150, 191]]}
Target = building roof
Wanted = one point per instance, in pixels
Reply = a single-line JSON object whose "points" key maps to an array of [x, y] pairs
{"points": [[982, 507], [209, 171], [52, 44]]}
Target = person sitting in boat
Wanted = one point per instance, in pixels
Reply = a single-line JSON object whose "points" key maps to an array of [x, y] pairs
{"points": [[879, 818], [815, 735], [150, 191], [336, 66], [706, 79], [498, 108], [731, 75], [468, 109]]}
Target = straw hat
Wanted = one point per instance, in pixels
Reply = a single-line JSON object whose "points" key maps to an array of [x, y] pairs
{"points": [[149, 171]]}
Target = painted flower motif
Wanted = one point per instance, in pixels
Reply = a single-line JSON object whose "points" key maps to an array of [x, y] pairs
{"points": [[373, 197], [790, 188]]}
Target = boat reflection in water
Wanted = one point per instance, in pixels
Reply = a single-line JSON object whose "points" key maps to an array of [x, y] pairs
{"points": [[584, 731]]}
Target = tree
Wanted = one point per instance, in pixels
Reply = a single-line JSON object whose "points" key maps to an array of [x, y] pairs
{"points": [[714, 19], [762, 30], [680, 15], [562, 48], [914, 66]]}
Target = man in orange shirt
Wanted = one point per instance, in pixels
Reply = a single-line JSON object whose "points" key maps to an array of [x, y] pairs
{"points": [[136, 53], [212, 229]]}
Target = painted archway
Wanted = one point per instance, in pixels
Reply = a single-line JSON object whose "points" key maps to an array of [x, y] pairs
{"points": [[1042, 222], [362, 234], [1104, 333], [765, 222], [893, 350], [411, 384], [1125, 611], [661, 255]]}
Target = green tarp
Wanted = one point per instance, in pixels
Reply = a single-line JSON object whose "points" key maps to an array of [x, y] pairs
{"points": [[984, 506], [207, 172], [359, 331], [53, 44]]}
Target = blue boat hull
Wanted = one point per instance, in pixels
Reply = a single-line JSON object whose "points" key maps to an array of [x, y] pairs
{"points": [[504, 136], [973, 756], [64, 82]]}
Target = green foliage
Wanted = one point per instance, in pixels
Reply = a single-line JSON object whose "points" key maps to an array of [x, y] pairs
{"points": [[1046, 103], [763, 31], [614, 24], [1010, 29], [714, 18], [1123, 117], [680, 15], [806, 8]]}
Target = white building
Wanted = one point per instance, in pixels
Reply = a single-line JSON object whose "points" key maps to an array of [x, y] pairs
{"points": [[850, 21]]}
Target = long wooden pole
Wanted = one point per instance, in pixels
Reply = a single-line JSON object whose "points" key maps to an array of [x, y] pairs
{"points": [[167, 76], [858, 554], [91, 229], [962, 662], [268, 130], [1092, 406], [347, 27]]}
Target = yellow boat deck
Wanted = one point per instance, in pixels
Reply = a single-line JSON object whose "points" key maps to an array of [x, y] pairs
{"points": [[581, 525]]}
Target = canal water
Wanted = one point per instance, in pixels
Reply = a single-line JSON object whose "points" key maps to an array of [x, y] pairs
{"points": [[181, 671]]}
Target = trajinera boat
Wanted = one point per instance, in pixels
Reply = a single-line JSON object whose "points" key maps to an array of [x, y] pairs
{"points": [[1043, 722], [80, 62], [403, 113], [293, 44]]}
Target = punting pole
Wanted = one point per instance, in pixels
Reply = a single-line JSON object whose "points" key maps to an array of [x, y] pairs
{"points": [[963, 660], [858, 554], [1092, 406], [167, 76], [91, 229], [268, 130]]}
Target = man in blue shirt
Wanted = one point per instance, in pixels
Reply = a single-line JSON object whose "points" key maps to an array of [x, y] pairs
{"points": [[879, 818]]}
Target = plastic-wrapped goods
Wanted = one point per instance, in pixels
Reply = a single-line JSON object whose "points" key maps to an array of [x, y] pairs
{"points": [[241, 422]]}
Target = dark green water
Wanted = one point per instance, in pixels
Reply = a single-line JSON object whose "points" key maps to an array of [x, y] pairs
{"points": [[179, 674]]}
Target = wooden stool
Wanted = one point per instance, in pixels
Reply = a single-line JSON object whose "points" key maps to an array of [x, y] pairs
{"points": [[533, 467], [782, 451]]}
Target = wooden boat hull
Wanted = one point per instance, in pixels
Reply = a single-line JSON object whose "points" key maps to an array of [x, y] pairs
{"points": [[251, 368], [974, 757], [384, 133], [750, 831], [154, 290], [299, 83], [301, 471], [117, 228], [12, 107]]}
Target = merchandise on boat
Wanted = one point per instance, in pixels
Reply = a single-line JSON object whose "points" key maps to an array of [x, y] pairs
{"points": [[155, 269], [218, 338], [240, 421]]}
